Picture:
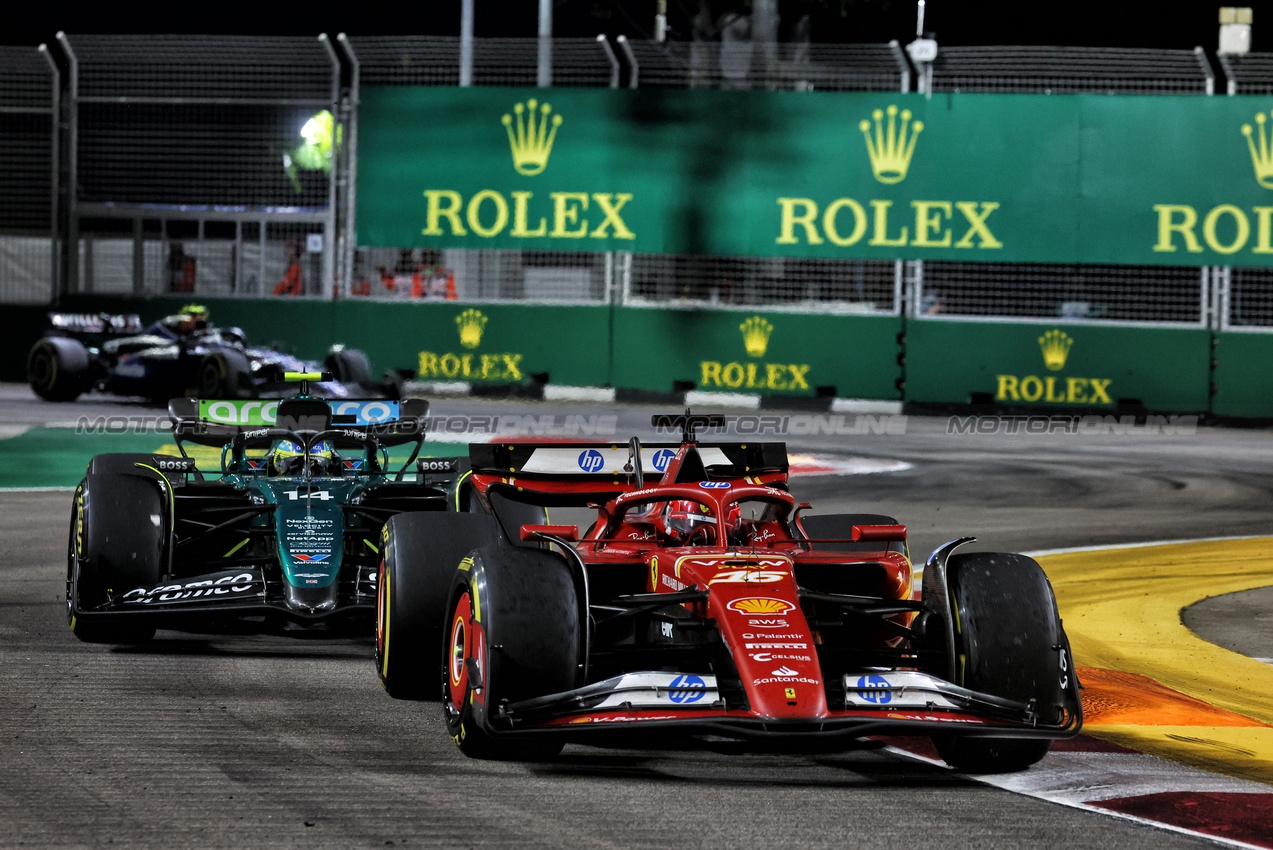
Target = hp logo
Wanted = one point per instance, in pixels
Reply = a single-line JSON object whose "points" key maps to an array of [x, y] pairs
{"points": [[662, 458], [590, 460], [880, 697]]}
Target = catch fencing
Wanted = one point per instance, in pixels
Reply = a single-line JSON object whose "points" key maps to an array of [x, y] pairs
{"points": [[202, 165], [228, 166], [29, 93]]}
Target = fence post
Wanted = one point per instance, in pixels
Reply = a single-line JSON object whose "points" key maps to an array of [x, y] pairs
{"points": [[71, 266], [631, 57], [55, 130], [351, 163], [328, 290]]}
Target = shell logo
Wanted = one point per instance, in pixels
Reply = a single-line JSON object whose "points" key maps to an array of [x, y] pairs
{"points": [[761, 605]]}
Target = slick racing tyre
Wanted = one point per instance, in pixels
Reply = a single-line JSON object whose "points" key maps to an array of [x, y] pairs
{"points": [[419, 555], [513, 633], [224, 374], [57, 368], [116, 544], [350, 366], [1009, 643]]}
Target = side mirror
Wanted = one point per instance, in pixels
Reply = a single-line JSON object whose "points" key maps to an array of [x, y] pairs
{"points": [[568, 533], [880, 533]]}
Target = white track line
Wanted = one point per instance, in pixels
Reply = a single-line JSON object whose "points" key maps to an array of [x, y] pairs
{"points": [[1066, 551], [1064, 779]]}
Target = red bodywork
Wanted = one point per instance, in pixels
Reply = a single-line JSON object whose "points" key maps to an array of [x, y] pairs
{"points": [[753, 597]]}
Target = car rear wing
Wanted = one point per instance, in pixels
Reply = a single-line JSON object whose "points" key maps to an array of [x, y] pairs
{"points": [[95, 323], [215, 422], [597, 462]]}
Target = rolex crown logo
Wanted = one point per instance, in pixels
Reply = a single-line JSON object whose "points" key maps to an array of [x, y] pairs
{"points": [[891, 148], [471, 324], [756, 331], [1056, 348], [529, 136], [1262, 156]]}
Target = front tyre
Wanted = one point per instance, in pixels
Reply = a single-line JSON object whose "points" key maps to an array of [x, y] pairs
{"points": [[513, 633], [419, 555], [1009, 643], [113, 546]]}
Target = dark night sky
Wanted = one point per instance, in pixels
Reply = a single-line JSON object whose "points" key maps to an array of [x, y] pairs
{"points": [[1125, 23]]}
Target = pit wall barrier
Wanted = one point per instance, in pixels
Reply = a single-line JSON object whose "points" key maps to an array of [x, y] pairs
{"points": [[1050, 366]]}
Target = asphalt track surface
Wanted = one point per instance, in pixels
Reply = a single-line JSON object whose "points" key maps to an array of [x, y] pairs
{"points": [[289, 743]]}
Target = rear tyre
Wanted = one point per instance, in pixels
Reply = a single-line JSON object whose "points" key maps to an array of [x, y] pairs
{"points": [[418, 559], [1009, 643], [116, 544], [350, 366], [57, 368], [224, 374], [513, 633]]}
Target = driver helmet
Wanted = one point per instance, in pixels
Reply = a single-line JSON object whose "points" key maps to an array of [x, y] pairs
{"points": [[193, 318], [289, 458], [682, 517]]}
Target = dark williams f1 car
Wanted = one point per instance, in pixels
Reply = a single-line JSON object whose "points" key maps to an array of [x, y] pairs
{"points": [[704, 600], [178, 355], [285, 537]]}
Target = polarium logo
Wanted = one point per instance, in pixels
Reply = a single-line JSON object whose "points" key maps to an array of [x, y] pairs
{"points": [[891, 136], [531, 142], [504, 367], [1226, 228], [531, 129], [1055, 346], [755, 376], [891, 150]]}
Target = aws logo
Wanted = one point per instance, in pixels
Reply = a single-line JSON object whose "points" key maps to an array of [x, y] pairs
{"points": [[531, 129], [756, 332], [1055, 346], [470, 365]]}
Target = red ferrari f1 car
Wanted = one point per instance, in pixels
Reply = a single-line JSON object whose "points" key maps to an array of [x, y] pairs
{"points": [[706, 601]]}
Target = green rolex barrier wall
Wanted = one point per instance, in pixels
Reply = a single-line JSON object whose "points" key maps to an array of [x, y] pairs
{"points": [[481, 344], [1056, 365], [757, 352], [1045, 365], [1243, 375]]}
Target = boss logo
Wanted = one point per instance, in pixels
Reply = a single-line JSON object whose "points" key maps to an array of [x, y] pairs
{"points": [[181, 465], [438, 466]]}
